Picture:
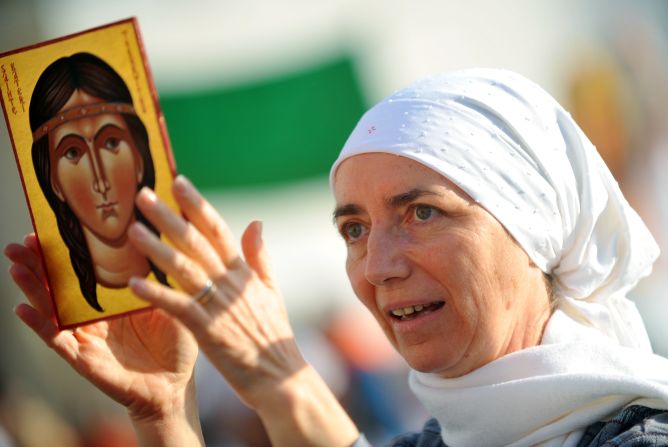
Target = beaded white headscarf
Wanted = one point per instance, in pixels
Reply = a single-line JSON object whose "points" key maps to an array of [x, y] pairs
{"points": [[519, 154]]}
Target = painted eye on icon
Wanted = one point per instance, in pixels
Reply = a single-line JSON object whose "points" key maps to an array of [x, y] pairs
{"points": [[72, 154], [112, 143]]}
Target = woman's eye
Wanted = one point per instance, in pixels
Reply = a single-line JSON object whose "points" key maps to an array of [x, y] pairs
{"points": [[111, 143], [424, 212], [352, 231]]}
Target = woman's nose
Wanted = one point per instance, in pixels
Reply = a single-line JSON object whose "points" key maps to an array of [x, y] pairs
{"points": [[100, 182], [386, 262]]}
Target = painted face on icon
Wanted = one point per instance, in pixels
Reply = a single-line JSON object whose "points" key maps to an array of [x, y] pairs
{"points": [[95, 169]]}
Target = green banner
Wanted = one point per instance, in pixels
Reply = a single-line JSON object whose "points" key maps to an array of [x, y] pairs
{"points": [[274, 130]]}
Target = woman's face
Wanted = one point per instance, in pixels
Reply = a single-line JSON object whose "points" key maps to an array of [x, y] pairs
{"points": [[450, 288], [95, 168]]}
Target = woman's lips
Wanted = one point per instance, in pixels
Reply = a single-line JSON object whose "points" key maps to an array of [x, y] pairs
{"points": [[415, 311]]}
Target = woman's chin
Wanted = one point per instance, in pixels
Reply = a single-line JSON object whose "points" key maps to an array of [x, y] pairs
{"points": [[426, 364], [442, 366]]}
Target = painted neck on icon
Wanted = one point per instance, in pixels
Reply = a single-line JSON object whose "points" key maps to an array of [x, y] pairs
{"points": [[115, 263]]}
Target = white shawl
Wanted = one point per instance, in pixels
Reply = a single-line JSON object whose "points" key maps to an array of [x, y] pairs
{"points": [[519, 154]]}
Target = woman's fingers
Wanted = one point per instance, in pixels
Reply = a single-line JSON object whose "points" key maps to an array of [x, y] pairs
{"points": [[254, 251], [28, 274], [30, 241], [63, 342], [27, 255], [33, 287], [182, 234], [176, 303], [207, 220], [177, 265], [38, 322]]}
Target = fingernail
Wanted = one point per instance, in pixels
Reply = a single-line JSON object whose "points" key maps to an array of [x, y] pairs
{"points": [[182, 185], [183, 179], [148, 194], [138, 230], [259, 232], [136, 284]]}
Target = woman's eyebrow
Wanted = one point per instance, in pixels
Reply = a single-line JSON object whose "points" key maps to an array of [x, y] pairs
{"points": [[409, 196], [346, 210], [394, 202]]}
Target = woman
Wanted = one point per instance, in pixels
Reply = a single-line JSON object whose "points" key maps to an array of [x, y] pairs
{"points": [[91, 156], [496, 258]]}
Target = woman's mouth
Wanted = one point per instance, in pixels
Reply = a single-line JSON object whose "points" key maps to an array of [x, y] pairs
{"points": [[411, 312]]}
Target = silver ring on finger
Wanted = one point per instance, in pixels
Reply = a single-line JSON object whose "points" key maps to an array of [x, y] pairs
{"points": [[206, 293]]}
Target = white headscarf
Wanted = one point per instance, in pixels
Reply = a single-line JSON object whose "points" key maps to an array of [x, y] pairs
{"points": [[519, 154]]}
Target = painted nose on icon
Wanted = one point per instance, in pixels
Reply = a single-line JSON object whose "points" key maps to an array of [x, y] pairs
{"points": [[100, 183]]}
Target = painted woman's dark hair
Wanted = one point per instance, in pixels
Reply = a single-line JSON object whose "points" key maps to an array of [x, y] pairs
{"points": [[90, 74]]}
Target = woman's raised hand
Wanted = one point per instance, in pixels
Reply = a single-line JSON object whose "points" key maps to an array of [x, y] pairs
{"points": [[235, 311], [242, 325], [144, 361]]}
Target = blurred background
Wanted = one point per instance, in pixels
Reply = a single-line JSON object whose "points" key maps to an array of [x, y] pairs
{"points": [[259, 96]]}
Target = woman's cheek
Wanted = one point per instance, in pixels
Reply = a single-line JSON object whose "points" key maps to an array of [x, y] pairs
{"points": [[362, 288]]}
